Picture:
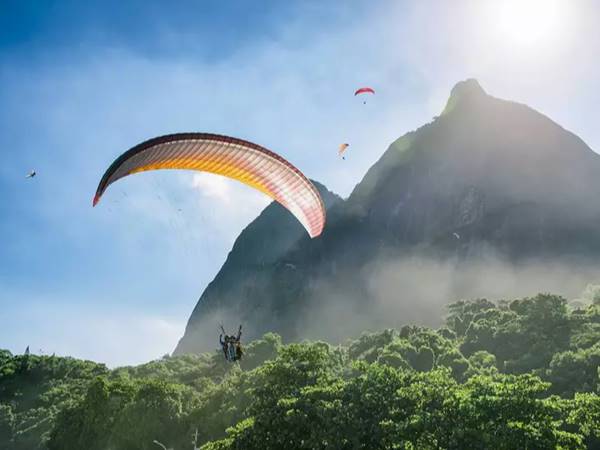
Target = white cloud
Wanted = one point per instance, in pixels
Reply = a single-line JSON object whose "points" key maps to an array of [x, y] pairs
{"points": [[212, 186], [119, 339], [231, 204], [114, 336]]}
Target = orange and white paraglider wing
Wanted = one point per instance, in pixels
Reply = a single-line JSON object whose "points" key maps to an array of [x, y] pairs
{"points": [[342, 149], [241, 160]]}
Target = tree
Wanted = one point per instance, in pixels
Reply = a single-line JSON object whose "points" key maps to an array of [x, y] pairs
{"points": [[157, 411], [89, 423], [7, 425], [575, 371], [584, 414]]}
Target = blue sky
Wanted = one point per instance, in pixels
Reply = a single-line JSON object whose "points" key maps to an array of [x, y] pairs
{"points": [[81, 82]]}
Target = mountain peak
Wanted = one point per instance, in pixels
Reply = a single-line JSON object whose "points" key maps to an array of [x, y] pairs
{"points": [[467, 87], [466, 90]]}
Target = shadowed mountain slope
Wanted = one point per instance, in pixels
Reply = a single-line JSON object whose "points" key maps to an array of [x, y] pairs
{"points": [[490, 199]]}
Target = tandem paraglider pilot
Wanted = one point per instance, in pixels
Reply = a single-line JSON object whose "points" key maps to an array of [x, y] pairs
{"points": [[231, 345]]}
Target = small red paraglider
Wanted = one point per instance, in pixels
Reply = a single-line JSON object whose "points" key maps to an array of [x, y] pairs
{"points": [[364, 90]]}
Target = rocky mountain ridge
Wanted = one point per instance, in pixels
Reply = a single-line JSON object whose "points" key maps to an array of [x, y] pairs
{"points": [[488, 183]]}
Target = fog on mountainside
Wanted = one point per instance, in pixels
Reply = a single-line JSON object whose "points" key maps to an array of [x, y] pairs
{"points": [[492, 199]]}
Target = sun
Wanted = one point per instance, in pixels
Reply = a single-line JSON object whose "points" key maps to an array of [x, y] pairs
{"points": [[528, 22]]}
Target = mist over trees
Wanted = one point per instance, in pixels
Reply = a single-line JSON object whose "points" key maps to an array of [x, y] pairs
{"points": [[503, 375]]}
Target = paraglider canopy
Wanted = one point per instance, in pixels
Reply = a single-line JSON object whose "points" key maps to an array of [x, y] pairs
{"points": [[235, 158], [342, 150], [364, 90]]}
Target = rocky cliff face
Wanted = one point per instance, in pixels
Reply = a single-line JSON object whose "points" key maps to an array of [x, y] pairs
{"points": [[258, 253], [490, 199]]}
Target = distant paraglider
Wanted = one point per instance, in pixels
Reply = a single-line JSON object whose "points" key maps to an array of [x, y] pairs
{"points": [[364, 90], [456, 235], [31, 174], [342, 150], [235, 158]]}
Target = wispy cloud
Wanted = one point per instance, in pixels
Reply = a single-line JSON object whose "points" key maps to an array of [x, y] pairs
{"points": [[229, 205], [94, 328]]}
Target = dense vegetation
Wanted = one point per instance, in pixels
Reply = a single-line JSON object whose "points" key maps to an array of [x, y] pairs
{"points": [[508, 375]]}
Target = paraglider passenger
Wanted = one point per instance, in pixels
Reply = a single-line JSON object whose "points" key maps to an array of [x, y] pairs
{"points": [[238, 345]]}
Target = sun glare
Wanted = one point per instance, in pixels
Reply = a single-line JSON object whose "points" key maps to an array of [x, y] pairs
{"points": [[528, 22]]}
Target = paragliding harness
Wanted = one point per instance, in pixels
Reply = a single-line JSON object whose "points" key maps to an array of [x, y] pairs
{"points": [[232, 347]]}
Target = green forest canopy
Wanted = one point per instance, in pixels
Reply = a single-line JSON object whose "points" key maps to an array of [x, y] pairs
{"points": [[506, 375]]}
